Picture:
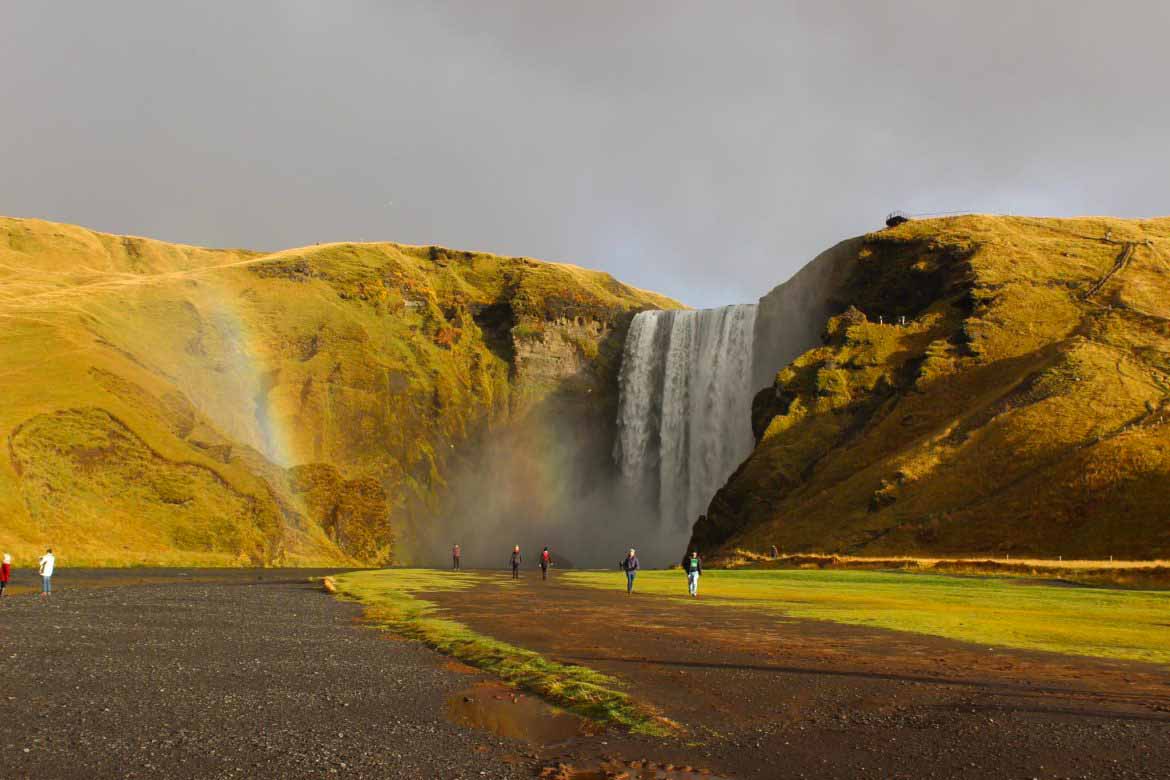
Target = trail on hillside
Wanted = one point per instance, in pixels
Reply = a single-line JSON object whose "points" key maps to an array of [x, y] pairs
{"points": [[120, 281], [1119, 265]]}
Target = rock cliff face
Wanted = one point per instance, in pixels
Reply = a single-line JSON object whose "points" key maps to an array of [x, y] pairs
{"points": [[985, 385], [791, 318], [172, 404]]}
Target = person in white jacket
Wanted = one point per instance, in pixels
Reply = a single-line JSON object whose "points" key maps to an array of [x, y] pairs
{"points": [[48, 562]]}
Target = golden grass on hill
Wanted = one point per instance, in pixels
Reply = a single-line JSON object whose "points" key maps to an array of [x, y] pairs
{"points": [[159, 398], [1001, 385]]}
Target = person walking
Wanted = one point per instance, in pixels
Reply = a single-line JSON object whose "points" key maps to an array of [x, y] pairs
{"points": [[455, 555], [5, 573], [630, 567], [694, 567], [545, 562], [516, 560], [48, 563]]}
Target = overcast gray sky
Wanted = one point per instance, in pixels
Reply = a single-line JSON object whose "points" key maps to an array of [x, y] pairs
{"points": [[702, 149]]}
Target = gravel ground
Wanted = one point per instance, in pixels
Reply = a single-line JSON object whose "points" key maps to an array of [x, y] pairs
{"points": [[246, 674], [237, 678]]}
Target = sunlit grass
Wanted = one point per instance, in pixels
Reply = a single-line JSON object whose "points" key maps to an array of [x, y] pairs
{"points": [[1150, 574], [1125, 624], [1040, 565], [391, 603]]}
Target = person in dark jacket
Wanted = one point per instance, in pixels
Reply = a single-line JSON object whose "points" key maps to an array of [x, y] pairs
{"points": [[545, 562], [516, 560], [630, 567], [693, 568]]}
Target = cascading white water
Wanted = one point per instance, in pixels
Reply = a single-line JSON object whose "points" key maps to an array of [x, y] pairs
{"points": [[684, 415]]}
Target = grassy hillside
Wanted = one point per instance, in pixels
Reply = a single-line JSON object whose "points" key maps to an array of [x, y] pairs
{"points": [[172, 404], [1021, 406]]}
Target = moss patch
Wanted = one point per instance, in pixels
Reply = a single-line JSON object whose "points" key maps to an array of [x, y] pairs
{"points": [[391, 601]]}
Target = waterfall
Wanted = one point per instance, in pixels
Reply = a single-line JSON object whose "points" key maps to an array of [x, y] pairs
{"points": [[686, 387], [684, 413]]}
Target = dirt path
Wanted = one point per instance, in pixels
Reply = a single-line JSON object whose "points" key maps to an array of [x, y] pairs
{"points": [[774, 698], [229, 677]]}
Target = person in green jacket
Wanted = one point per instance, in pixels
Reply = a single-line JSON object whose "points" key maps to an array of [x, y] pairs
{"points": [[693, 567]]}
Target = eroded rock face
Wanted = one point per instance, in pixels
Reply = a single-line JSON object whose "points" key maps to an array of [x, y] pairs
{"points": [[549, 354]]}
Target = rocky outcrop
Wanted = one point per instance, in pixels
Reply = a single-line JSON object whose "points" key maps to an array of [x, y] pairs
{"points": [[547, 353]]}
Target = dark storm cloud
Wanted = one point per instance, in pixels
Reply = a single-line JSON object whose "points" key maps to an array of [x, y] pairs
{"points": [[705, 150]]}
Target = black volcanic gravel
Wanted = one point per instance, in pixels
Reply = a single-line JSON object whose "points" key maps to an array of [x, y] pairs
{"points": [[258, 674], [237, 678]]}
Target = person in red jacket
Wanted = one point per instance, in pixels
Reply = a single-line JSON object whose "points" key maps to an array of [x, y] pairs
{"points": [[5, 572], [545, 562]]}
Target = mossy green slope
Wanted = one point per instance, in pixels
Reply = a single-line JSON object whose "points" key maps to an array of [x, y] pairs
{"points": [[173, 404], [1021, 406]]}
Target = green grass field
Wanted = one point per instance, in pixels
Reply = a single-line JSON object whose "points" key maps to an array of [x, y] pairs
{"points": [[1125, 624], [389, 596]]}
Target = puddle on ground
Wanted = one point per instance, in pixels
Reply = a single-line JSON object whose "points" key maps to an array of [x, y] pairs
{"points": [[507, 712], [510, 713], [632, 770]]}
